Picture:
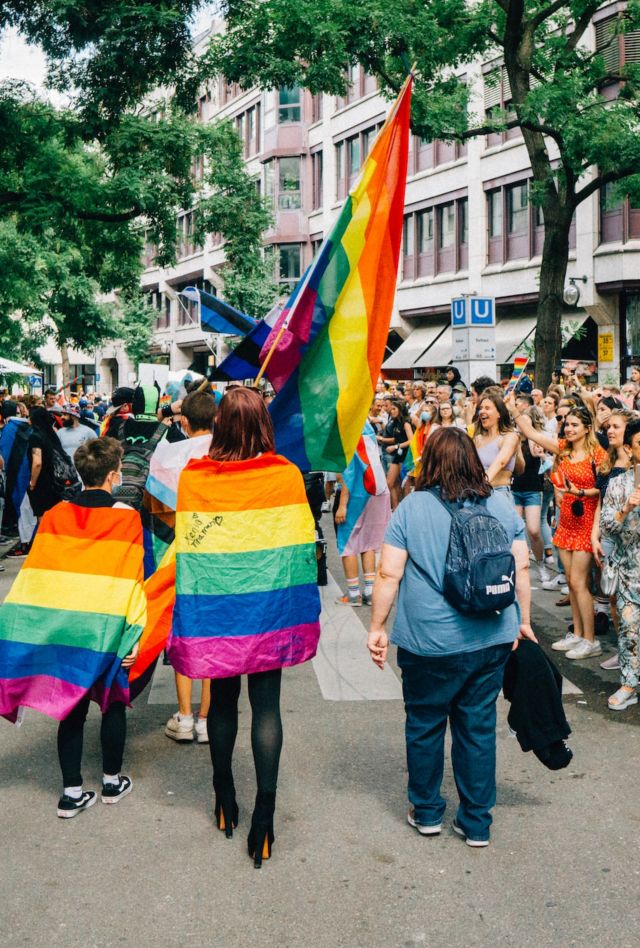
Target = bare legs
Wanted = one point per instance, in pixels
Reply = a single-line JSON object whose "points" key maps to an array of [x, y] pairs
{"points": [[577, 568]]}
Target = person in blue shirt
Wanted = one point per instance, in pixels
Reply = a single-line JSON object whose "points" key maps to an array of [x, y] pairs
{"points": [[452, 663]]}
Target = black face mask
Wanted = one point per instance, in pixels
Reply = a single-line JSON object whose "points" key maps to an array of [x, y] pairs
{"points": [[68, 423]]}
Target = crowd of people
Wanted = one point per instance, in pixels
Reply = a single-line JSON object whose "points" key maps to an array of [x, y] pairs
{"points": [[544, 477]]}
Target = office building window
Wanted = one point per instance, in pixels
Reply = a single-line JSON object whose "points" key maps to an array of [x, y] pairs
{"points": [[316, 107], [286, 263], [341, 177], [316, 180], [289, 109], [498, 105], [515, 228], [289, 184], [619, 220], [187, 245], [282, 186], [435, 240], [353, 159]]}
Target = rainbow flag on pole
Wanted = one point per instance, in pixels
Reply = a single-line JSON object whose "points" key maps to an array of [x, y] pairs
{"points": [[326, 364], [75, 610], [246, 570]]}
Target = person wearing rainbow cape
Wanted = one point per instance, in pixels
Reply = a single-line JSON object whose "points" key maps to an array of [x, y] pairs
{"points": [[246, 595], [70, 624]]}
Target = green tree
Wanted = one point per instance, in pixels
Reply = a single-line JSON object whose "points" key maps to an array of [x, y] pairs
{"points": [[84, 187], [578, 140]]}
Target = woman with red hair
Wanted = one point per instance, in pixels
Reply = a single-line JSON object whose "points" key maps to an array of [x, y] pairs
{"points": [[246, 595]]}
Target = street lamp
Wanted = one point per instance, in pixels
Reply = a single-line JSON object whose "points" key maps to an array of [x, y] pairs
{"points": [[571, 294]]}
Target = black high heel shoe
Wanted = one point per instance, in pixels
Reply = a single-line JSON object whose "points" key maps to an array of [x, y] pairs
{"points": [[260, 839], [226, 808]]}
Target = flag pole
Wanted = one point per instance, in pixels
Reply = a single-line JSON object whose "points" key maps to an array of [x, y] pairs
{"points": [[286, 321]]}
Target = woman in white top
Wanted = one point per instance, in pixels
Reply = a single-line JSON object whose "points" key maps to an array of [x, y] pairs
{"points": [[448, 418]]}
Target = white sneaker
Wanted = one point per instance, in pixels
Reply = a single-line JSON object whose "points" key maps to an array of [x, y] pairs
{"points": [[585, 649], [550, 560], [434, 830], [544, 573], [178, 728], [566, 643], [202, 735], [553, 585]]}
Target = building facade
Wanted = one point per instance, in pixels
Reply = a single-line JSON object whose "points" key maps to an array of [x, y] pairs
{"points": [[470, 226]]}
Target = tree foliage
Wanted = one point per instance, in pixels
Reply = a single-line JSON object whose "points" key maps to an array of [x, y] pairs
{"points": [[84, 187], [578, 139]]}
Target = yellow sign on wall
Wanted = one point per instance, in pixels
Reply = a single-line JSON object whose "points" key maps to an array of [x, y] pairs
{"points": [[605, 347]]}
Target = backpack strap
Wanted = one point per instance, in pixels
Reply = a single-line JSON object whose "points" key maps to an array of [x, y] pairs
{"points": [[448, 505]]}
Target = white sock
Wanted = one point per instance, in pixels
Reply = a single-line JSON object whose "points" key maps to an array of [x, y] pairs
{"points": [[74, 792], [353, 588], [111, 779], [368, 583], [185, 717]]}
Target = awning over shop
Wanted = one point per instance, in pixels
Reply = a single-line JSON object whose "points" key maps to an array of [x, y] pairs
{"points": [[511, 334], [571, 323], [18, 368], [414, 345], [439, 354]]}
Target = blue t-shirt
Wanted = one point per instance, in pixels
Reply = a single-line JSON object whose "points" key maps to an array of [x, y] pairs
{"points": [[426, 624]]}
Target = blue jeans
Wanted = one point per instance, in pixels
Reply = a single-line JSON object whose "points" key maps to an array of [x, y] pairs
{"points": [[463, 689]]}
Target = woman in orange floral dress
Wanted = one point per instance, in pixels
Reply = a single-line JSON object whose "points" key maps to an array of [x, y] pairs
{"points": [[578, 456]]}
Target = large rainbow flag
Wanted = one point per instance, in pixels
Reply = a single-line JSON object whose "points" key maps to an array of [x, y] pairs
{"points": [[75, 610], [246, 571], [327, 361]]}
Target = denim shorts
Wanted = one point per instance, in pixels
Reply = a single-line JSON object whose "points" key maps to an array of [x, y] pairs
{"points": [[527, 498]]}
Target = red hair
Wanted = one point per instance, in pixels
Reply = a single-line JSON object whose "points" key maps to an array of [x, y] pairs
{"points": [[243, 427]]}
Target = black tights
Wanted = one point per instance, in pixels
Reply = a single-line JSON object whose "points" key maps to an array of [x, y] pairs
{"points": [[266, 726], [113, 732]]}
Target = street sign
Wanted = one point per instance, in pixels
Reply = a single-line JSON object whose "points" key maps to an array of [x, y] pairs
{"points": [[605, 347], [482, 311], [459, 311]]}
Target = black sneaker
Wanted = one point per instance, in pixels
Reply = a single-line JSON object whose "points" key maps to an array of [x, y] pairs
{"points": [[112, 792], [69, 807], [18, 551]]}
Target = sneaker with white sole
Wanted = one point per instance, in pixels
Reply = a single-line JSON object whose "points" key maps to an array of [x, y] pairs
{"points": [[475, 843], [202, 735], [543, 573], [564, 590], [356, 601], [422, 828], [566, 643], [550, 560], [611, 664], [113, 792], [69, 807], [179, 729], [585, 649], [553, 585]]}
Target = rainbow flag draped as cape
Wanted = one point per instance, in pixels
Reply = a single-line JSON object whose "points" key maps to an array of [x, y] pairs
{"points": [[326, 364], [75, 610], [246, 571]]}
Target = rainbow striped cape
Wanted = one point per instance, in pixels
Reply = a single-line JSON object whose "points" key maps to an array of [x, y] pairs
{"points": [[75, 610], [246, 571], [327, 362]]}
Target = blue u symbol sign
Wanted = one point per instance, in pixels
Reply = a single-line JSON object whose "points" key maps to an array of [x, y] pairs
{"points": [[458, 312], [482, 311]]}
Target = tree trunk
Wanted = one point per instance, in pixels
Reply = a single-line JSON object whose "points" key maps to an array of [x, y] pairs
{"points": [[550, 306], [66, 371]]}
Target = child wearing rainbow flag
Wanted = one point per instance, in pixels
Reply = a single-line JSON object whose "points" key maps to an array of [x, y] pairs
{"points": [[59, 649]]}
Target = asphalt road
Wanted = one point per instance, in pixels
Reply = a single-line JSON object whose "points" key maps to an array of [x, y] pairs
{"points": [[346, 869]]}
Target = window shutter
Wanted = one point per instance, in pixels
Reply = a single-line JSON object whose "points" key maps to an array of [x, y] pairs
{"points": [[632, 47], [492, 89], [505, 85], [608, 43]]}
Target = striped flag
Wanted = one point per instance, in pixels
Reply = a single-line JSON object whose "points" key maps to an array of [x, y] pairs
{"points": [[75, 610], [327, 361]]}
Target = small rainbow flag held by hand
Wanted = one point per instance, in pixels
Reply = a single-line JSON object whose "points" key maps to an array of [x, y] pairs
{"points": [[519, 365], [75, 610], [324, 355]]}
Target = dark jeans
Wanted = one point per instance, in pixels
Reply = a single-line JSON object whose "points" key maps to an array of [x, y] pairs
{"points": [[113, 733], [462, 688]]}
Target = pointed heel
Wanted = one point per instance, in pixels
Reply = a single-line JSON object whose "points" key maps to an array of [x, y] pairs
{"points": [[226, 810], [261, 837]]}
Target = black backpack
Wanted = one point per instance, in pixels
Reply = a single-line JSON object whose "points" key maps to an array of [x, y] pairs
{"points": [[135, 465], [66, 482], [480, 570]]}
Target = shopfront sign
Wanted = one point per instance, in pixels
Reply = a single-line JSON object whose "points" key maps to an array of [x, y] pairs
{"points": [[605, 347]]}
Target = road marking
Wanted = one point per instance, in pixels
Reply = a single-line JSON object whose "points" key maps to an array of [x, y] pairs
{"points": [[343, 667]]}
